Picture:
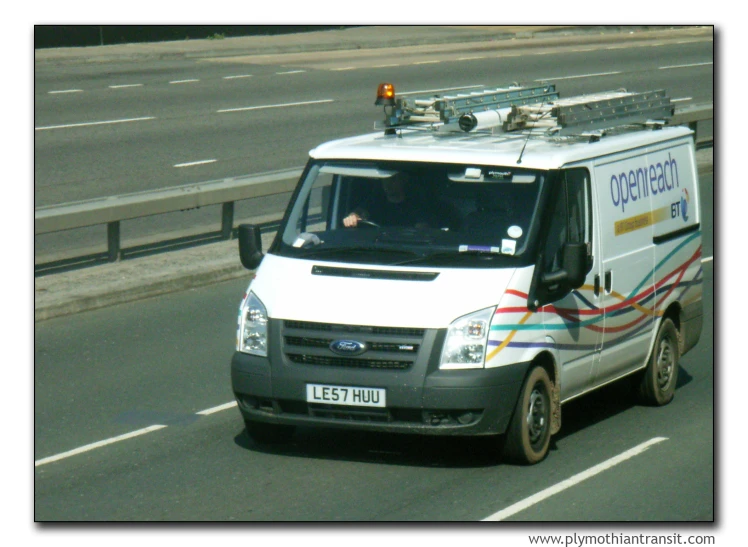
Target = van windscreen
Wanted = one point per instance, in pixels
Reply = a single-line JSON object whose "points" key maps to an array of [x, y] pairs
{"points": [[392, 213]]}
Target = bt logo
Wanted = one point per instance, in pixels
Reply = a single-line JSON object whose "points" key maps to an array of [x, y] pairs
{"points": [[680, 208]]}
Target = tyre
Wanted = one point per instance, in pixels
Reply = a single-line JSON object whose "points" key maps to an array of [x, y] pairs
{"points": [[269, 433], [529, 433], [657, 385]]}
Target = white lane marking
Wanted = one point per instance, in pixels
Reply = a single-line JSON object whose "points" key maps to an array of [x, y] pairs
{"points": [[681, 99], [686, 66], [578, 76], [471, 58], [132, 434], [385, 66], [65, 91], [572, 481], [189, 81], [274, 106], [707, 259], [442, 89], [218, 408], [191, 163], [237, 76], [344, 68], [291, 72], [127, 120], [122, 86], [426, 62], [98, 444]]}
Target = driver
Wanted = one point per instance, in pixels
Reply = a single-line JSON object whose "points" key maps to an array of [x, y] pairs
{"points": [[398, 210]]}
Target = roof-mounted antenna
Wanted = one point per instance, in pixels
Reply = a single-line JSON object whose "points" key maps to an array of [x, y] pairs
{"points": [[519, 160]]}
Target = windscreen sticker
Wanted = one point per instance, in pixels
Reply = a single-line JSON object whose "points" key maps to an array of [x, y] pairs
{"points": [[514, 231], [508, 246]]}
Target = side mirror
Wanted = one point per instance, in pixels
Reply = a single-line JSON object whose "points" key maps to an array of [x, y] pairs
{"points": [[575, 264], [573, 268], [250, 246]]}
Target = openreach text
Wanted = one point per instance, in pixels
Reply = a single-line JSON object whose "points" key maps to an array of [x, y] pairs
{"points": [[621, 539]]}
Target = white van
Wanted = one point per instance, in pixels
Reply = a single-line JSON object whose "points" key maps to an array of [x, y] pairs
{"points": [[486, 258]]}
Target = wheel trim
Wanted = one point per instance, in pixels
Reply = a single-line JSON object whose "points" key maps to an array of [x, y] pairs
{"points": [[665, 363], [536, 419]]}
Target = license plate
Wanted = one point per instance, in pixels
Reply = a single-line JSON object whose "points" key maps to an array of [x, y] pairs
{"points": [[346, 395]]}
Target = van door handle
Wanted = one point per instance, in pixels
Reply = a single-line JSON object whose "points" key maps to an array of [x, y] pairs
{"points": [[597, 284], [608, 281]]}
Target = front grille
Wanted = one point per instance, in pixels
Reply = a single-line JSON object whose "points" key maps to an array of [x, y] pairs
{"points": [[348, 362], [306, 342], [386, 348], [350, 414], [354, 329]]}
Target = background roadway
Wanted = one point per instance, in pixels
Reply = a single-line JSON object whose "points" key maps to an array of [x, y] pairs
{"points": [[163, 360], [191, 127]]}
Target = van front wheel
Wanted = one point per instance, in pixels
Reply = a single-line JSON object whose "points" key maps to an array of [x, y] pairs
{"points": [[529, 433], [657, 386]]}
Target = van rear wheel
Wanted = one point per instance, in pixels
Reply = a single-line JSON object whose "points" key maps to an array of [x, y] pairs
{"points": [[529, 433], [657, 385]]}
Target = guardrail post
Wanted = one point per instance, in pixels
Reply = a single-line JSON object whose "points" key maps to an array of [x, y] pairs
{"points": [[227, 219], [112, 235]]}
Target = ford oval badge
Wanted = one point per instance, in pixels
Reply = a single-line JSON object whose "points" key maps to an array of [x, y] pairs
{"points": [[348, 347]]}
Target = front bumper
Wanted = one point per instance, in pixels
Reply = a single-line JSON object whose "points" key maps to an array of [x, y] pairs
{"points": [[421, 400]]}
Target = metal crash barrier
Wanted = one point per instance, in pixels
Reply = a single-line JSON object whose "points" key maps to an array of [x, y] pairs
{"points": [[114, 209]]}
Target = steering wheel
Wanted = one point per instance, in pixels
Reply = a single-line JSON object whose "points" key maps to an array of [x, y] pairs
{"points": [[368, 223]]}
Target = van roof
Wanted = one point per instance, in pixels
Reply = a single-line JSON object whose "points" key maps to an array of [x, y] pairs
{"points": [[541, 151]]}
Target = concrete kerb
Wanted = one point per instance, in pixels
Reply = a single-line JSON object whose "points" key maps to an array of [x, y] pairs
{"points": [[130, 280]]}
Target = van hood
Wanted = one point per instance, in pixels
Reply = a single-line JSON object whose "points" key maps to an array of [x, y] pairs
{"points": [[289, 290]]}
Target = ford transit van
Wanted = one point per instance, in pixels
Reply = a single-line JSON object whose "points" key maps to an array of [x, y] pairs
{"points": [[479, 262]]}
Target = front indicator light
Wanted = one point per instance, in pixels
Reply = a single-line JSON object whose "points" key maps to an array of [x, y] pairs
{"points": [[467, 340], [253, 329]]}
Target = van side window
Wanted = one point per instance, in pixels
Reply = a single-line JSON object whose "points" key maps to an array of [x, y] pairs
{"points": [[571, 220]]}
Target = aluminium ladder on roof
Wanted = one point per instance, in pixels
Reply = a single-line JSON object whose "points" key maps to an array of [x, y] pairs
{"points": [[448, 108], [593, 112]]}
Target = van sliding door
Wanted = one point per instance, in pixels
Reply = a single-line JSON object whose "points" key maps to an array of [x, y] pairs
{"points": [[627, 263]]}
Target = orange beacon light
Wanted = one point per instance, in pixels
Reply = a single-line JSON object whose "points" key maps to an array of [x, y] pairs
{"points": [[385, 95]]}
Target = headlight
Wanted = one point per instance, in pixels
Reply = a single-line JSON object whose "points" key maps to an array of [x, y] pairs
{"points": [[466, 342], [253, 327]]}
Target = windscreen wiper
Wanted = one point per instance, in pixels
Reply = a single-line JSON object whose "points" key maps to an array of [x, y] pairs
{"points": [[455, 255], [316, 252]]}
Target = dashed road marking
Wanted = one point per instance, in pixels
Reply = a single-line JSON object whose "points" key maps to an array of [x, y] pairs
{"points": [[245, 108], [85, 124], [98, 444], [686, 66], [193, 163], [218, 408], [594, 75]]}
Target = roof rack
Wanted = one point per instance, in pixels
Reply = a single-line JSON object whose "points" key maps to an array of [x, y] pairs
{"points": [[447, 109], [520, 107], [593, 112]]}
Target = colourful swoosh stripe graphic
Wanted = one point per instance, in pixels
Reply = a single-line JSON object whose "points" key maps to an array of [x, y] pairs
{"points": [[590, 315]]}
